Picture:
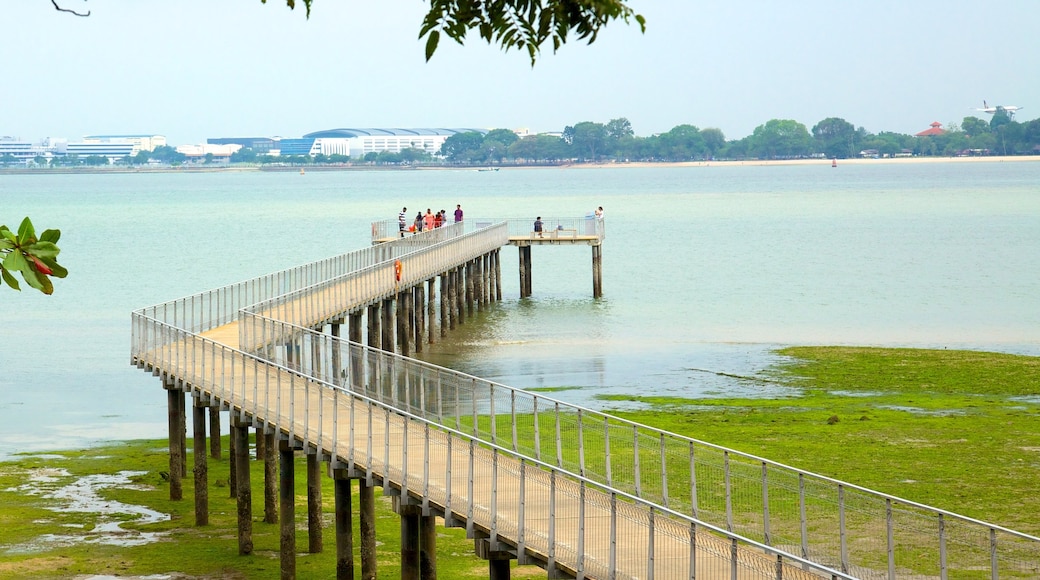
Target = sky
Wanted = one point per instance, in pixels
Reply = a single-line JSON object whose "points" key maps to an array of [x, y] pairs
{"points": [[198, 69]]}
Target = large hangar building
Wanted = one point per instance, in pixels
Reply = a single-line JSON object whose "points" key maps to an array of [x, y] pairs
{"points": [[357, 142]]}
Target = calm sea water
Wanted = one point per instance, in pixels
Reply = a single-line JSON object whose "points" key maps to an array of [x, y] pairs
{"points": [[707, 270]]}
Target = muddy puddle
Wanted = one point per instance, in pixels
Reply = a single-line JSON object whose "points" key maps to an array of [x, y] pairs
{"points": [[80, 495]]}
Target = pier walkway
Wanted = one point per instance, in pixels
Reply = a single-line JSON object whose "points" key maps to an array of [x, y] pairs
{"points": [[579, 493]]}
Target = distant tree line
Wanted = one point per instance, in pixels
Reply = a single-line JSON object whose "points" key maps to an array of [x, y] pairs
{"points": [[590, 141]]}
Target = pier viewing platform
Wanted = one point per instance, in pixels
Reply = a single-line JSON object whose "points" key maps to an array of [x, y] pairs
{"points": [[580, 493]]}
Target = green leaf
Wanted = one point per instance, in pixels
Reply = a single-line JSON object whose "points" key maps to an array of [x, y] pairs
{"points": [[26, 235], [58, 270], [15, 261], [41, 249], [8, 234], [51, 236], [33, 278], [46, 286], [431, 43], [11, 280], [6, 244]]}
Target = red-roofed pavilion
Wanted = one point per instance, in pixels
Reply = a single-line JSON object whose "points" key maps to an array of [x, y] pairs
{"points": [[935, 130]]}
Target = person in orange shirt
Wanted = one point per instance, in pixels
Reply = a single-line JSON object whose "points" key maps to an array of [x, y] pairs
{"points": [[431, 222]]}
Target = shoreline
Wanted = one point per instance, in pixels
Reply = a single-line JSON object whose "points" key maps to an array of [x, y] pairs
{"points": [[599, 165]]}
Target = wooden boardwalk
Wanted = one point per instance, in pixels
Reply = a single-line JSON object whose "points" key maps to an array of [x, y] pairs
{"points": [[538, 512]]}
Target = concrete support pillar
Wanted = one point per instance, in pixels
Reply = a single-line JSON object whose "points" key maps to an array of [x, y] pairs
{"points": [[183, 432], [357, 364], [270, 478], [478, 283], [419, 315], [367, 499], [232, 462], [244, 495], [498, 557], [214, 432], [525, 271], [198, 435], [453, 298], [258, 437], [597, 271], [375, 337], [315, 543], [431, 308], [498, 569], [485, 279], [460, 293], [410, 515], [336, 372], [344, 529], [470, 283], [428, 547], [175, 407], [287, 503], [498, 275], [388, 325], [444, 304], [404, 319]]}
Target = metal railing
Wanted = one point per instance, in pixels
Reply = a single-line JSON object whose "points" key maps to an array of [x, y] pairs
{"points": [[553, 516], [861, 532], [321, 302], [518, 227]]}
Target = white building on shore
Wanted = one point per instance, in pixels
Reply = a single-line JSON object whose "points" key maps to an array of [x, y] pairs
{"points": [[357, 142]]}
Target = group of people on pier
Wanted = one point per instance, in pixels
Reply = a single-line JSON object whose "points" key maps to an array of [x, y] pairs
{"points": [[428, 221]]}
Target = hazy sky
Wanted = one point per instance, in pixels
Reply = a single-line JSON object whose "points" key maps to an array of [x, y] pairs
{"points": [[194, 69]]}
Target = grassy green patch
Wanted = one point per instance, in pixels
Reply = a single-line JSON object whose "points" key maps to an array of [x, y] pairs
{"points": [[937, 427], [209, 551]]}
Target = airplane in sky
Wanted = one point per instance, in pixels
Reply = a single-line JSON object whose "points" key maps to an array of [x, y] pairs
{"points": [[1009, 109]]}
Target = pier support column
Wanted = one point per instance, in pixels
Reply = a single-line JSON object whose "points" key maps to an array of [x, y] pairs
{"points": [[315, 542], [214, 431], [470, 286], [198, 435], [597, 271], [410, 515], [367, 499], [419, 311], [232, 459], [404, 322], [388, 325], [344, 527], [460, 293], [525, 271], [337, 363], [258, 437], [485, 279], [478, 282], [175, 408], [498, 557], [498, 275], [431, 308], [373, 317], [357, 369], [244, 495], [444, 304], [270, 478], [428, 547], [287, 503]]}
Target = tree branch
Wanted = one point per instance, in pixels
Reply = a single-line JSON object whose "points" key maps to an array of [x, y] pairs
{"points": [[69, 10]]}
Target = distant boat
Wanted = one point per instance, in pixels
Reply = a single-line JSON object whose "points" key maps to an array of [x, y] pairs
{"points": [[488, 169]]}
